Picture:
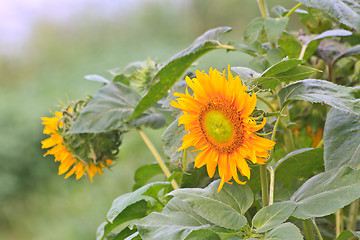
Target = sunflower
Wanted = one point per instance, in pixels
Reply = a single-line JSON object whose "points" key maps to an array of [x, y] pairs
{"points": [[217, 119], [54, 127]]}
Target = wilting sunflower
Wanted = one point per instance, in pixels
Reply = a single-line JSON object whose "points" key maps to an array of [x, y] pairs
{"points": [[217, 119], [77, 153]]}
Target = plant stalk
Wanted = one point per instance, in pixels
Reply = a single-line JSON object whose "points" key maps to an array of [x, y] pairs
{"points": [[288, 137], [267, 103], [157, 157], [339, 222], [317, 229], [264, 185], [272, 171], [303, 50], [263, 9], [272, 182], [331, 76], [308, 230], [353, 211], [184, 159], [293, 10]]}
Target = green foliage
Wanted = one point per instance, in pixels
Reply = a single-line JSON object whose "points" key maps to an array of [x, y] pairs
{"points": [[346, 12], [110, 109], [286, 231], [134, 211], [319, 196], [274, 27], [319, 91], [272, 216], [312, 43], [341, 140], [144, 173], [172, 138], [284, 71], [347, 53], [177, 65], [130, 206], [224, 209], [253, 30], [348, 234], [139, 75]]}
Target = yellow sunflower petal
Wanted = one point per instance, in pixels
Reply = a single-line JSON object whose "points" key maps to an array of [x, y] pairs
{"points": [[202, 158], [65, 165], [80, 170], [71, 172], [92, 170], [53, 140], [211, 164]]}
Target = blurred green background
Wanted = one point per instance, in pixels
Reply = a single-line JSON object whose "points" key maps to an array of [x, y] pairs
{"points": [[49, 65]]}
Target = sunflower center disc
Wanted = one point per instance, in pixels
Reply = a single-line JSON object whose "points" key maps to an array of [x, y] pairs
{"points": [[218, 127]]}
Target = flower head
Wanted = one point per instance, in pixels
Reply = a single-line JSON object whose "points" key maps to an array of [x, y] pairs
{"points": [[217, 119], [78, 154]]}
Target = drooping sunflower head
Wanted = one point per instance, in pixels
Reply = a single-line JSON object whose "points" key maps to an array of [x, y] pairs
{"points": [[79, 154], [217, 119]]}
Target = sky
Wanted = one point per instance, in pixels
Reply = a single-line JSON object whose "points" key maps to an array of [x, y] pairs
{"points": [[17, 17]]}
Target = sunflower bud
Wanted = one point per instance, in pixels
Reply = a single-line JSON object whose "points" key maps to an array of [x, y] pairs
{"points": [[83, 153]]}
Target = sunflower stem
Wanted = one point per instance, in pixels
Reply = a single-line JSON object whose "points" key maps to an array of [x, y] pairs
{"points": [[293, 10], [288, 137], [339, 222], [272, 182], [354, 208], [184, 159], [267, 103], [264, 185], [317, 229], [272, 171], [263, 9], [157, 157], [308, 230]]}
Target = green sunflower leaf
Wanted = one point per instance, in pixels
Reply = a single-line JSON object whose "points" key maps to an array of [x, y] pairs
{"points": [[350, 52], [134, 211], [341, 140], [225, 208], [286, 231], [245, 73], [348, 234], [285, 71], [109, 110], [274, 27], [294, 169], [176, 221], [283, 66], [291, 45], [172, 139], [272, 216], [126, 233], [129, 207], [137, 74], [178, 64], [97, 78], [320, 91], [312, 43], [253, 30], [179, 221], [145, 173], [327, 192], [125, 200], [347, 12]]}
